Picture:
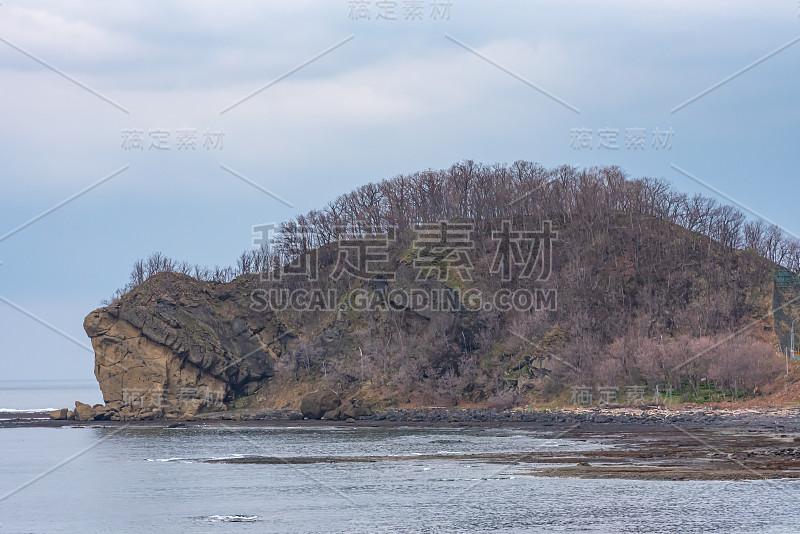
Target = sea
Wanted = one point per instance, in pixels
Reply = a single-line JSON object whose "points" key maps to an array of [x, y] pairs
{"points": [[146, 479], [26, 396]]}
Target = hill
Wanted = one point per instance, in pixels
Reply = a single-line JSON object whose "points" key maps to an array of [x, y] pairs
{"points": [[478, 285]]}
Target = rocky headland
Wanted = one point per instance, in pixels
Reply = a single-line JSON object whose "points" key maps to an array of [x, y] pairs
{"points": [[176, 347], [616, 285]]}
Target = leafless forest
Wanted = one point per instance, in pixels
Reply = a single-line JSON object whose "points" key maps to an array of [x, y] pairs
{"points": [[653, 286]]}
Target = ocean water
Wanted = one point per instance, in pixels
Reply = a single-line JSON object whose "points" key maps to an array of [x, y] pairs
{"points": [[145, 479], [46, 395]]}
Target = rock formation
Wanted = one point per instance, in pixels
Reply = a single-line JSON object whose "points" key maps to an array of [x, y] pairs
{"points": [[315, 405], [175, 347], [83, 412], [351, 409], [61, 414]]}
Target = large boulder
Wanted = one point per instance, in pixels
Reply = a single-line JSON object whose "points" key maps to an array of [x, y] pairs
{"points": [[59, 414], [83, 412], [354, 409], [351, 409], [316, 404], [104, 413]]}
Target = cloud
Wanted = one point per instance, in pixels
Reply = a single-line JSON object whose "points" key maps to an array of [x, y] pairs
{"points": [[397, 98], [64, 40]]}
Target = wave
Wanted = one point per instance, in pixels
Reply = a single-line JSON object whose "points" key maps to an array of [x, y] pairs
{"points": [[232, 518], [27, 410], [193, 460]]}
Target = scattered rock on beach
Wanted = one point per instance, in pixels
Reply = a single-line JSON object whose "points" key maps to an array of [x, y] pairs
{"points": [[351, 409], [317, 404], [83, 412], [61, 414]]}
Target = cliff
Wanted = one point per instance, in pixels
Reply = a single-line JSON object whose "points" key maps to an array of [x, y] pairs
{"points": [[178, 346]]}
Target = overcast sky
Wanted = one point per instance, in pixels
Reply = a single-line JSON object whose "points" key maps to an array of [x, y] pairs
{"points": [[345, 100]]}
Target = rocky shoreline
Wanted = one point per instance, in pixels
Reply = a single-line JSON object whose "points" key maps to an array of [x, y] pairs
{"points": [[778, 417], [775, 419], [787, 419]]}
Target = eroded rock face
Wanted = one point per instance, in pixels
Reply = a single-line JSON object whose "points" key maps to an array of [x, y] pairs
{"points": [[175, 346]]}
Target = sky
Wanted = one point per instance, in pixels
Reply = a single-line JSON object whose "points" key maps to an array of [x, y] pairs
{"points": [[133, 127]]}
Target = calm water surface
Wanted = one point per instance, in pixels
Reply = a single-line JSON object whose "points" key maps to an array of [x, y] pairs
{"points": [[148, 480], [45, 395]]}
